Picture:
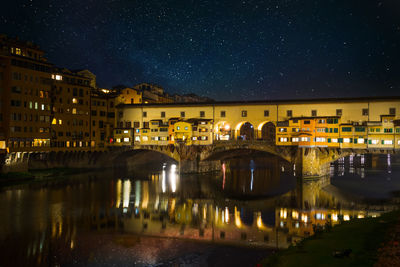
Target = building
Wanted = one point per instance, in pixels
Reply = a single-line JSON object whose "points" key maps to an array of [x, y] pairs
{"points": [[340, 123], [102, 118], [70, 121], [25, 92]]}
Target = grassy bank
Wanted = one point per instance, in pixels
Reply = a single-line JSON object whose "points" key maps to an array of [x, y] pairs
{"points": [[362, 236], [12, 178]]}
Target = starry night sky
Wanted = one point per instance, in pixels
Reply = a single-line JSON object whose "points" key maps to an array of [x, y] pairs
{"points": [[227, 50]]}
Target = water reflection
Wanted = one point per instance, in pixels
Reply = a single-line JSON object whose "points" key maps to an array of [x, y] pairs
{"points": [[59, 222]]}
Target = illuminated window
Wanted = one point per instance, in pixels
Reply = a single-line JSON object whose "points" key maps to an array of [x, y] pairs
{"points": [[67, 143], [186, 128], [178, 127], [194, 138], [56, 77], [283, 139], [346, 217], [374, 141], [137, 138], [60, 122], [41, 94], [360, 140], [334, 140], [125, 131], [43, 107], [74, 111], [36, 105], [18, 51], [282, 130], [346, 140], [74, 101], [54, 121], [305, 139], [295, 139], [320, 139], [30, 104], [145, 138], [126, 139], [387, 142]]}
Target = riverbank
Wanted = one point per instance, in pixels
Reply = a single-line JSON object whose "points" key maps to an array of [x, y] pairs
{"points": [[353, 243], [12, 178]]}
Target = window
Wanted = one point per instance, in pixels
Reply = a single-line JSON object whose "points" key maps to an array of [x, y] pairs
{"points": [[360, 141], [388, 130], [320, 139], [392, 111], [305, 139], [244, 113], [313, 113], [359, 129], [289, 113], [266, 113], [283, 130], [223, 114], [202, 114], [295, 139], [339, 112], [144, 114], [162, 114], [347, 140], [182, 114], [136, 124], [365, 112], [387, 142], [283, 139], [346, 129]]}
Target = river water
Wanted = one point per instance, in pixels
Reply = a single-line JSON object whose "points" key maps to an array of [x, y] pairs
{"points": [[158, 217]]}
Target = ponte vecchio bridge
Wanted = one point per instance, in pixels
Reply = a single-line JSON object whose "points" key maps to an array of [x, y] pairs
{"points": [[311, 133]]}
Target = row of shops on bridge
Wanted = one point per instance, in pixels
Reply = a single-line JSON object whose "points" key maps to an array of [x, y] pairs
{"points": [[326, 131]]}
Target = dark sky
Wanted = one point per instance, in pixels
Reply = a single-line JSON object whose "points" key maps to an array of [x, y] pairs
{"points": [[227, 50]]}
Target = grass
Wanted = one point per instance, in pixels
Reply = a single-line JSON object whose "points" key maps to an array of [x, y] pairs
{"points": [[362, 236], [13, 178]]}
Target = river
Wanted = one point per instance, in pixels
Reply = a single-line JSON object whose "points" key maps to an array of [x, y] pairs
{"points": [[158, 217]]}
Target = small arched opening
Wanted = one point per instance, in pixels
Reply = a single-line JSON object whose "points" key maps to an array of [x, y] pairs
{"points": [[246, 132], [266, 132]]}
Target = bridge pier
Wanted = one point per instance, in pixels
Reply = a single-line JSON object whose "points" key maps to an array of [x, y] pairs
{"points": [[314, 161]]}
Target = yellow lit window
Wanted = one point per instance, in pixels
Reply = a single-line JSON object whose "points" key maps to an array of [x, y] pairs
{"points": [[74, 111], [60, 122], [18, 51], [54, 121]]}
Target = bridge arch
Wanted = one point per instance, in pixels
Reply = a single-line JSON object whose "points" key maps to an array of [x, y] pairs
{"points": [[244, 130], [266, 131]]}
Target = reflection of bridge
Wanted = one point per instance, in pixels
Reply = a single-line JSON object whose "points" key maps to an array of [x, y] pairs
{"points": [[312, 161]]}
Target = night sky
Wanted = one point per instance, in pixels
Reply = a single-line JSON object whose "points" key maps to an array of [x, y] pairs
{"points": [[226, 50]]}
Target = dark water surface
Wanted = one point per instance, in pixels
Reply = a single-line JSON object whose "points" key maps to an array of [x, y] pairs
{"points": [[161, 218]]}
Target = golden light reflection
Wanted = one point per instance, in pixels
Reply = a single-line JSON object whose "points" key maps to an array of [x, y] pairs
{"points": [[226, 215], [145, 191], [126, 193], [346, 217], [295, 215], [118, 188], [283, 213], [259, 220], [304, 218], [334, 217], [237, 218]]}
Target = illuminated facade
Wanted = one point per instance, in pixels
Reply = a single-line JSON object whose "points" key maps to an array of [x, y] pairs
{"points": [[71, 109], [337, 123], [25, 91]]}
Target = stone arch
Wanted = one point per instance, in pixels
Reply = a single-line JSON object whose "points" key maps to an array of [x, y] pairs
{"points": [[223, 131], [266, 131], [245, 131]]}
